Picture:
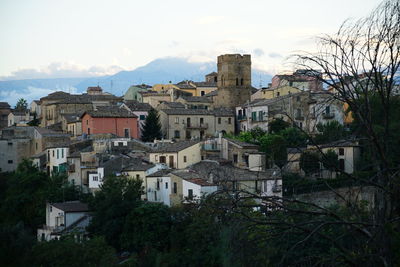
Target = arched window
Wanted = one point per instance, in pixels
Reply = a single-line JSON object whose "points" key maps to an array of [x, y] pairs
{"points": [[241, 81], [237, 81]]}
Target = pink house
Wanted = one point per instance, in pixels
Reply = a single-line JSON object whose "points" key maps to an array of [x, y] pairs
{"points": [[112, 120]]}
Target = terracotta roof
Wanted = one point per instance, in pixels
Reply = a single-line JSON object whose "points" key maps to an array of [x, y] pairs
{"points": [[173, 147], [71, 206], [110, 112]]}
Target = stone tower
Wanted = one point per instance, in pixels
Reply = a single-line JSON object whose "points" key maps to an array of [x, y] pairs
{"points": [[234, 80]]}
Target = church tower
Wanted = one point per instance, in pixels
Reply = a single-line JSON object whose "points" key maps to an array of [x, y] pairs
{"points": [[234, 80]]}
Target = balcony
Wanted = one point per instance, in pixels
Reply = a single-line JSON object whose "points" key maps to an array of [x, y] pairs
{"points": [[242, 118], [196, 126], [328, 116]]}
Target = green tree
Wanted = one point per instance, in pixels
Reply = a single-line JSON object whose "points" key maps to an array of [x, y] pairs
{"points": [[152, 127], [309, 162], [330, 161], [278, 125], [275, 148], [330, 132], [294, 137], [68, 252], [35, 121], [147, 226], [118, 197], [21, 104]]}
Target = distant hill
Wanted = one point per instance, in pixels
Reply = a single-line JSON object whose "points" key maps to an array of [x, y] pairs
{"points": [[161, 70]]}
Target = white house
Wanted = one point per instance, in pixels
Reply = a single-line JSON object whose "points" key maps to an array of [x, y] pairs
{"points": [[195, 188], [57, 158], [64, 218], [159, 187]]}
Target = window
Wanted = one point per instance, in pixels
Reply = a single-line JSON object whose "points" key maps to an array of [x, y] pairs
{"points": [[10, 161], [87, 122], [237, 81], [184, 159], [327, 109], [202, 93], [219, 120], [62, 153], [58, 153], [260, 115], [158, 185], [190, 193], [176, 119], [88, 131], [120, 144], [175, 188], [126, 133], [95, 178], [36, 145], [163, 159], [235, 158], [53, 153], [298, 98], [229, 120], [254, 116], [278, 93], [166, 185], [177, 134], [341, 151], [241, 81], [142, 117], [201, 121], [137, 176], [10, 143], [171, 161]]}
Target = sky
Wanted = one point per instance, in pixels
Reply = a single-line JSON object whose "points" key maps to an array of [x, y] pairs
{"points": [[69, 38]]}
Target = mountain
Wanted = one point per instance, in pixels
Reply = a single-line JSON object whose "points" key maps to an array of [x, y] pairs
{"points": [[160, 70]]}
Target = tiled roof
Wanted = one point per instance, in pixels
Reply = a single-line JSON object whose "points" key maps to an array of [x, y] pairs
{"points": [[173, 147], [197, 99], [185, 85], [110, 112], [173, 104], [141, 86], [200, 182], [222, 112], [241, 143], [87, 99], [71, 206], [4, 105], [213, 93], [72, 117], [138, 165], [212, 74], [134, 105], [160, 173], [55, 95], [205, 84]]}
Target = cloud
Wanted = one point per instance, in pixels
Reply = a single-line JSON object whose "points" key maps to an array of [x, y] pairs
{"points": [[275, 55], [31, 93], [62, 70], [258, 52]]}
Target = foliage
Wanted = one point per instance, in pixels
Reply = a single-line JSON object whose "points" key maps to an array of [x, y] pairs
{"points": [[21, 104], [329, 132], [309, 162], [147, 226], [152, 127], [275, 148], [294, 137], [35, 121], [111, 206], [330, 160], [67, 252], [278, 125]]}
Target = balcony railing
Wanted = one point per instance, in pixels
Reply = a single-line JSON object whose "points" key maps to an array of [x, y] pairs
{"points": [[328, 115], [196, 126], [242, 118]]}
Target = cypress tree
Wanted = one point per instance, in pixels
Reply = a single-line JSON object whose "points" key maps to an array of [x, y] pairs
{"points": [[152, 127]]}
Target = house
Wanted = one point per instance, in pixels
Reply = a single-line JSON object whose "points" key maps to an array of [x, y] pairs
{"points": [[112, 120], [19, 117], [176, 155], [35, 108], [268, 93], [302, 79], [65, 218], [303, 110], [139, 109], [154, 98], [159, 187], [71, 123], [132, 92], [191, 123], [5, 109], [348, 152], [58, 103], [195, 102], [57, 158], [243, 155]]}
